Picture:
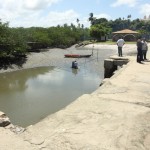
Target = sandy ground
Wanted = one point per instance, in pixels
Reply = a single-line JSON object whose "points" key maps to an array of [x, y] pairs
{"points": [[55, 57]]}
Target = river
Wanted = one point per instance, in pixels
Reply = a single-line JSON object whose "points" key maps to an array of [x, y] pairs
{"points": [[29, 95]]}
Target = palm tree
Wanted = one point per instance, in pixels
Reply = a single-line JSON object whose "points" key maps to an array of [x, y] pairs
{"points": [[129, 16], [91, 18], [78, 23], [82, 26]]}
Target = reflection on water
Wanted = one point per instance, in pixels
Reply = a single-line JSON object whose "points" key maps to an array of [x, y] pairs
{"points": [[30, 95], [75, 71], [17, 80]]}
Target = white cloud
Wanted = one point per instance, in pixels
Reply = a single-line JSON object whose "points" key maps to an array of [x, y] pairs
{"points": [[37, 4], [29, 13], [130, 3], [145, 9], [103, 16], [51, 19], [51, 77], [55, 18]]}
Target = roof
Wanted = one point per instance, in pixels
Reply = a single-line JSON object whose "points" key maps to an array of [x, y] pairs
{"points": [[127, 31]]}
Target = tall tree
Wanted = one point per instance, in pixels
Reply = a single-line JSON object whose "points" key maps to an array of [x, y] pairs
{"points": [[98, 30], [78, 23], [129, 16], [91, 18]]}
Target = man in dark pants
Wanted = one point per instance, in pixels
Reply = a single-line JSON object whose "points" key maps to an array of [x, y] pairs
{"points": [[120, 44], [139, 51], [144, 48]]}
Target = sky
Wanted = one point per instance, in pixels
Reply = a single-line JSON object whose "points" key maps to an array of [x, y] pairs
{"points": [[47, 13]]}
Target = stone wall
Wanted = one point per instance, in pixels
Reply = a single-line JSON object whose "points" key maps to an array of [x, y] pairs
{"points": [[111, 64]]}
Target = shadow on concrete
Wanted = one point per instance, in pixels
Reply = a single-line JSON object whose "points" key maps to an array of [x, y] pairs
{"points": [[147, 60]]}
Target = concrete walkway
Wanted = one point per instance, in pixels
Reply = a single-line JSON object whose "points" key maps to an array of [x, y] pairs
{"points": [[114, 117]]}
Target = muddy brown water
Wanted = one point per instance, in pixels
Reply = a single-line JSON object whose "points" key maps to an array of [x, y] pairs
{"points": [[27, 96]]}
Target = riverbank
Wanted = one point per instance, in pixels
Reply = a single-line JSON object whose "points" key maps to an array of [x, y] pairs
{"points": [[55, 57], [116, 116]]}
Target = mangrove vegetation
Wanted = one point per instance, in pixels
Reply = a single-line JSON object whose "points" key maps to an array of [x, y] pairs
{"points": [[15, 43]]}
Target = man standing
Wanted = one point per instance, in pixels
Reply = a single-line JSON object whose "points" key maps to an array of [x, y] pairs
{"points": [[120, 44], [144, 49], [139, 50]]}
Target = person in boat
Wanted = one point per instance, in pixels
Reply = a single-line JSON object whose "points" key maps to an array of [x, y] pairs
{"points": [[75, 64]]}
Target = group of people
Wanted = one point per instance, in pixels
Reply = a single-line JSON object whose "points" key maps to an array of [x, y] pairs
{"points": [[142, 48]]}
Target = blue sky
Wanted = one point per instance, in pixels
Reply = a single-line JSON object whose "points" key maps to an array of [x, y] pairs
{"points": [[46, 13]]}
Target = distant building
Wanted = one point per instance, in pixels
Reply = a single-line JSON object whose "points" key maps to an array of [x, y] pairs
{"points": [[126, 34]]}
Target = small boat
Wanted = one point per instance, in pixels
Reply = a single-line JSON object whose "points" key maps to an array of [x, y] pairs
{"points": [[77, 55]]}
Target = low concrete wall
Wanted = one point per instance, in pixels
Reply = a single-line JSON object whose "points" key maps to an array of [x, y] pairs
{"points": [[111, 64]]}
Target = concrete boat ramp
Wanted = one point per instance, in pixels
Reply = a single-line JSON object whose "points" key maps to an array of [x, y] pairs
{"points": [[114, 117]]}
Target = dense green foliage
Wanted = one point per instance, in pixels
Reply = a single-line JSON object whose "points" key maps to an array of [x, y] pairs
{"points": [[99, 30], [18, 41], [14, 41], [11, 41], [142, 26]]}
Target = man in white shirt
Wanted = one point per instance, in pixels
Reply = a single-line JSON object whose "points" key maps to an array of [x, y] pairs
{"points": [[144, 48], [120, 44]]}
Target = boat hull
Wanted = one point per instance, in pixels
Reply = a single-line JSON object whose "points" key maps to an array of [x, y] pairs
{"points": [[77, 56]]}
